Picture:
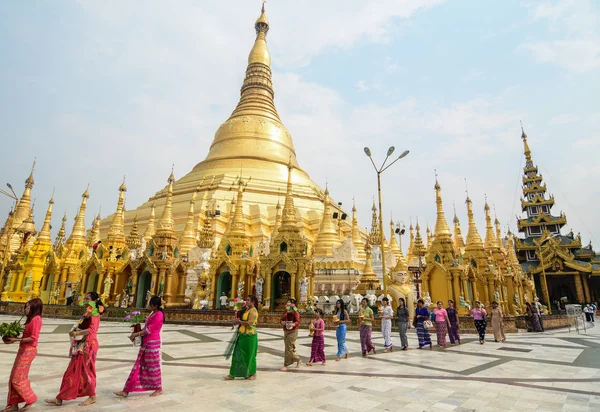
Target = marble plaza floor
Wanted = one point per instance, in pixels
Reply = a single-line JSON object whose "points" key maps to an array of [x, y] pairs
{"points": [[552, 371]]}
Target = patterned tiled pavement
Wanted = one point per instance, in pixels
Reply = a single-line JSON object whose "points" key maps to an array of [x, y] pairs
{"points": [[552, 371]]}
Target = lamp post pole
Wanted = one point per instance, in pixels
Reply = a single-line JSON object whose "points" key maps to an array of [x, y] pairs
{"points": [[379, 171]]}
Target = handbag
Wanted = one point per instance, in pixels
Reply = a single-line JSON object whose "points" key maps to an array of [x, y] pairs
{"points": [[427, 324]]}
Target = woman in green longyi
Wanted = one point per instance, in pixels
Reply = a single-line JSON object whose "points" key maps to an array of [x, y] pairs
{"points": [[243, 361]]}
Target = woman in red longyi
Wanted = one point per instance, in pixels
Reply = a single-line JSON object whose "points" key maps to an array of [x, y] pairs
{"points": [[19, 388]]}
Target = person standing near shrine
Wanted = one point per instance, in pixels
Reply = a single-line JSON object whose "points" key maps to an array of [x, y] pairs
{"points": [[290, 320], [19, 387], [223, 301], [243, 360], [479, 314], [403, 315], [540, 310], [386, 325], [366, 318], [422, 315], [69, 295], [146, 373], [80, 377], [317, 350], [454, 323], [497, 322], [340, 331], [441, 323]]}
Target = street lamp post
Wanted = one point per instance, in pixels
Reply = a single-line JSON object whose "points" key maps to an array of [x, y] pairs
{"points": [[379, 171]]}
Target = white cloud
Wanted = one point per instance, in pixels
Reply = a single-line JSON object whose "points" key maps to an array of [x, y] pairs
{"points": [[362, 86], [576, 27]]}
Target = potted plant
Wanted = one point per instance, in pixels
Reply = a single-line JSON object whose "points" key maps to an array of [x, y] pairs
{"points": [[135, 319], [11, 330]]}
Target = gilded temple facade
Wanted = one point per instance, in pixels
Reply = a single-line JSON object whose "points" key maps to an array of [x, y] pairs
{"points": [[562, 267]]}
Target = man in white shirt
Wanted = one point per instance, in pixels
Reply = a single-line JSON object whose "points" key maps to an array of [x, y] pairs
{"points": [[69, 296], [223, 301]]}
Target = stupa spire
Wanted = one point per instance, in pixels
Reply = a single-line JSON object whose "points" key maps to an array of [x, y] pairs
{"points": [[459, 242], [150, 227], [288, 219], [23, 210], [441, 226], [116, 232], [473, 238], [419, 247], [394, 246], [78, 232], [411, 242], [356, 236], [44, 235], [62, 233], [188, 239], [134, 240], [328, 237], [490, 236], [166, 223]]}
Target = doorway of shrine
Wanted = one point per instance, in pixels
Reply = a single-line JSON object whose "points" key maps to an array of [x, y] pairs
{"points": [[594, 287], [560, 287], [142, 290], [281, 290], [223, 286]]}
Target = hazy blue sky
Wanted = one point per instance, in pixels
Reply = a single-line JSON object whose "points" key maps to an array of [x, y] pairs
{"points": [[99, 89]]}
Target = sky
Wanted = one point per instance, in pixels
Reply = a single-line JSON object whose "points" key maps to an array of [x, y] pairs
{"points": [[95, 90]]}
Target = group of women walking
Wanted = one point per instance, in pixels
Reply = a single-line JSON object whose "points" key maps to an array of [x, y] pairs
{"points": [[79, 379]]}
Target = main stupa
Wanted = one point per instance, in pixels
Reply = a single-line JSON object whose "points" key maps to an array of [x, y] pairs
{"points": [[253, 142]]}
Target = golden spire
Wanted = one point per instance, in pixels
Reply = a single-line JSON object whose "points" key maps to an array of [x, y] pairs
{"points": [[328, 237], [510, 249], [44, 235], [411, 243], [188, 239], [375, 235], [206, 235], [288, 220], [150, 228], [356, 236], [78, 232], [238, 224], [166, 223], [24, 206], [277, 224], [441, 226], [116, 232], [428, 237], [134, 240], [490, 237], [473, 238], [459, 242], [419, 247], [62, 233], [255, 115], [368, 279], [498, 231]]}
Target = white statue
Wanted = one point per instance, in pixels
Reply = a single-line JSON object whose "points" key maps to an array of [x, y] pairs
{"points": [[125, 299], [303, 289], [259, 287], [427, 299], [240, 289], [148, 297], [496, 296]]}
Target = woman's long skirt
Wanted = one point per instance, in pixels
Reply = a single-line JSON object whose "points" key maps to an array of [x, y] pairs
{"points": [[402, 328], [535, 323], [317, 349], [340, 335], [498, 327], [19, 387], [441, 328], [365, 339], [453, 333], [146, 373], [480, 325], [80, 377], [243, 361], [386, 330], [423, 334]]}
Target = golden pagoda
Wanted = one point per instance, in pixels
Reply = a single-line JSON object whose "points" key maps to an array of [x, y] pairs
{"points": [[254, 138]]}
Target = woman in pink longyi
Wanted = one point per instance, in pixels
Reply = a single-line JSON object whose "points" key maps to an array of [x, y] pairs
{"points": [[146, 373]]}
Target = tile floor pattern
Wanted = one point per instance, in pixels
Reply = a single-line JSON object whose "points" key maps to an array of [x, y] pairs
{"points": [[552, 371]]}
